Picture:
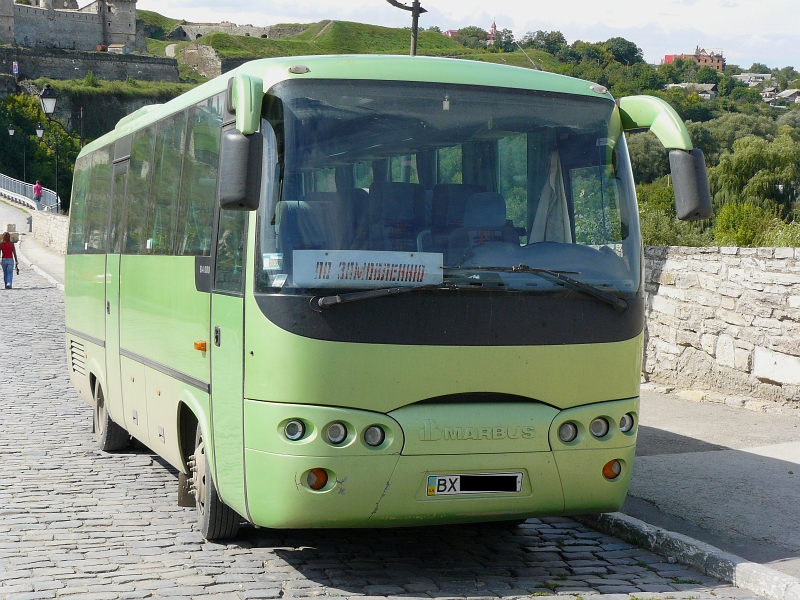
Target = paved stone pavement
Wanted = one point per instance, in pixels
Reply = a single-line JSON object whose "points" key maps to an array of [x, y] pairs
{"points": [[77, 523]]}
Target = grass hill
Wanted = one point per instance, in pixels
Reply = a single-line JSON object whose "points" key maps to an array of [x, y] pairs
{"points": [[340, 37]]}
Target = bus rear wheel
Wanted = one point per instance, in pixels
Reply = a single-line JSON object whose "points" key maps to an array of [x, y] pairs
{"points": [[109, 435], [217, 520]]}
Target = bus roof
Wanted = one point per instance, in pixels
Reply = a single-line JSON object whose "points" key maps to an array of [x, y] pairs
{"points": [[361, 66]]}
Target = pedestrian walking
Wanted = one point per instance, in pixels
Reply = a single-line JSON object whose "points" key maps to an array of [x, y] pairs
{"points": [[9, 259], [37, 195]]}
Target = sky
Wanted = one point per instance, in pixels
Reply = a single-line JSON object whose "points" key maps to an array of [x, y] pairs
{"points": [[746, 31]]}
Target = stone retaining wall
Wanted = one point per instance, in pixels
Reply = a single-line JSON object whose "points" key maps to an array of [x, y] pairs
{"points": [[50, 229], [725, 320]]}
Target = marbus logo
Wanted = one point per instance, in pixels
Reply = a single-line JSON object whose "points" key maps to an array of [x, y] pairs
{"points": [[431, 433]]}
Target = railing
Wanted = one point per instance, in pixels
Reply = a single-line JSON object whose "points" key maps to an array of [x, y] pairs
{"points": [[20, 192]]}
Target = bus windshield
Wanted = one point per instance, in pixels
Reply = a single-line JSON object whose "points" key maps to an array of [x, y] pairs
{"points": [[375, 184]]}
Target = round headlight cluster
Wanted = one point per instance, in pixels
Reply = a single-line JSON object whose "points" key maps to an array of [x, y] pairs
{"points": [[599, 427], [336, 433], [374, 435], [294, 430], [567, 432], [626, 423]]}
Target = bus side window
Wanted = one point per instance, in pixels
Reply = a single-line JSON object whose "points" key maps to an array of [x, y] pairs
{"points": [[166, 185], [229, 271], [140, 175], [98, 203], [80, 193], [199, 180]]}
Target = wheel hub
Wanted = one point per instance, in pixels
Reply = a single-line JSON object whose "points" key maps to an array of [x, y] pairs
{"points": [[198, 465]]}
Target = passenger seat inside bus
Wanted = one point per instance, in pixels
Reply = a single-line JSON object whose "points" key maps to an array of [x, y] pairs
{"points": [[352, 216], [484, 223], [304, 226], [397, 215], [447, 214]]}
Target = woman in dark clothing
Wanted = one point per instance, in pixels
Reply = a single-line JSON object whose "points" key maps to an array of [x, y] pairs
{"points": [[9, 255]]}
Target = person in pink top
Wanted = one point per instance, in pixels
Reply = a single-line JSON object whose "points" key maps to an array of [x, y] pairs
{"points": [[9, 259], [37, 195]]}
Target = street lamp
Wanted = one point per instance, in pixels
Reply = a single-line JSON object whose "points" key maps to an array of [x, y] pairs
{"points": [[48, 100], [11, 131], [39, 130], [416, 10]]}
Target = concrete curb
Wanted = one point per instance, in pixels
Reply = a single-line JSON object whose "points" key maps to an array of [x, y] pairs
{"points": [[698, 555], [50, 279]]}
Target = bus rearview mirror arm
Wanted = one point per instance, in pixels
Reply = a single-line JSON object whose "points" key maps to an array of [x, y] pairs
{"points": [[240, 170], [687, 164]]}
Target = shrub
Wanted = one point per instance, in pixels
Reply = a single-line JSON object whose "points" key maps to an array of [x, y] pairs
{"points": [[781, 234], [742, 223]]}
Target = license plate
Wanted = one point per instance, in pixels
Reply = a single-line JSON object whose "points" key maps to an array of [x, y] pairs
{"points": [[474, 483]]}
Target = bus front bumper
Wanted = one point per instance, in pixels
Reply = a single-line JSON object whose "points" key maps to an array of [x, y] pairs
{"points": [[392, 490]]}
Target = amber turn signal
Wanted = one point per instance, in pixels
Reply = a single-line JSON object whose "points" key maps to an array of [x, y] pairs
{"points": [[200, 346], [612, 469], [317, 479]]}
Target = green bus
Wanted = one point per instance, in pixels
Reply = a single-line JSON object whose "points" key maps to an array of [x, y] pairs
{"points": [[369, 291]]}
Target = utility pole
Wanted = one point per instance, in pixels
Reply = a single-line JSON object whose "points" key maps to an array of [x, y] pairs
{"points": [[416, 10]]}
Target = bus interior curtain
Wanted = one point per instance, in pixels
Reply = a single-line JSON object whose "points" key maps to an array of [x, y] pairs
{"points": [[426, 168], [552, 223], [540, 145]]}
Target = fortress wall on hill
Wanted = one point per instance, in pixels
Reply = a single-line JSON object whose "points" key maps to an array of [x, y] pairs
{"points": [[67, 64]]}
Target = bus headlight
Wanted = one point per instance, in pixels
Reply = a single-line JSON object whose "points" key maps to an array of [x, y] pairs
{"points": [[567, 432], [374, 435], [336, 433], [599, 427], [294, 430], [626, 423]]}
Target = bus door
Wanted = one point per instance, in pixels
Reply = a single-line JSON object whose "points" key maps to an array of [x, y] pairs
{"points": [[115, 232], [227, 356]]}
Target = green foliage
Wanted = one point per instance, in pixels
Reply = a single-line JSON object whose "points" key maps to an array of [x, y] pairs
{"points": [[717, 136], [781, 234], [91, 80], [90, 86], [156, 26], [548, 41], [624, 51], [659, 225], [472, 37], [758, 171], [745, 94], [742, 224], [649, 159], [758, 67], [707, 75]]}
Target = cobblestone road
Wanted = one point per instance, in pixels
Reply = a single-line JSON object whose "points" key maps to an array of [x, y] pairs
{"points": [[77, 523]]}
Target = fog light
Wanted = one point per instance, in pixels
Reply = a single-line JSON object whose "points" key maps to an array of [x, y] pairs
{"points": [[567, 432], [294, 430], [374, 435], [337, 433], [599, 427], [317, 479], [626, 423], [612, 469]]}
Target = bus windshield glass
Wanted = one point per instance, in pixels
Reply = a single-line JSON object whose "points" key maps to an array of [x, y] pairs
{"points": [[377, 184]]}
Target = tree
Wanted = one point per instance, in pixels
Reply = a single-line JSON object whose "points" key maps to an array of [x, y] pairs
{"points": [[742, 224], [505, 40], [762, 172], [624, 51], [549, 41], [649, 159], [759, 68], [434, 28], [707, 75], [746, 94], [472, 37]]}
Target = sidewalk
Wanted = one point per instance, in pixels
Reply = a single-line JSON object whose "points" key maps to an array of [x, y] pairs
{"points": [[727, 476], [32, 253]]}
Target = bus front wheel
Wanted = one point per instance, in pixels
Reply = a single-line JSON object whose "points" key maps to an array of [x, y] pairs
{"points": [[109, 435], [216, 519]]}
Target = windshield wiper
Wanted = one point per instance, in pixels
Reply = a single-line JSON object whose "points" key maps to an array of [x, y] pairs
{"points": [[619, 304], [319, 303]]}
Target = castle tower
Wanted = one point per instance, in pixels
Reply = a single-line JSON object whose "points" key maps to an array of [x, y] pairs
{"points": [[120, 22], [6, 21]]}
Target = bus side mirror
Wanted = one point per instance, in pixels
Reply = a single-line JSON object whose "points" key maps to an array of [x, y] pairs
{"points": [[240, 170], [689, 178]]}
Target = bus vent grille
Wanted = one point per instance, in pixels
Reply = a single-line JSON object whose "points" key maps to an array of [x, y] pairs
{"points": [[77, 357]]}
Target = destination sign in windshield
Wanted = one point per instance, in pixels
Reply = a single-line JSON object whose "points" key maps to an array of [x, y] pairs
{"points": [[365, 269]]}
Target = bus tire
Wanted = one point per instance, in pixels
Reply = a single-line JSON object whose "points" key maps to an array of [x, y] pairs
{"points": [[216, 520], [110, 436]]}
